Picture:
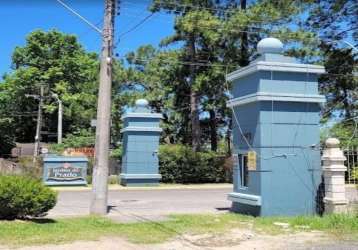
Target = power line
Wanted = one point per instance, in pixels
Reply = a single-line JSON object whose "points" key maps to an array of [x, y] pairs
{"points": [[79, 16], [133, 28], [208, 64], [222, 10], [219, 26], [89, 29], [287, 35]]}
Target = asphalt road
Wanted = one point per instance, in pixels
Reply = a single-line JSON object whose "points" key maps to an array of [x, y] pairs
{"points": [[134, 205]]}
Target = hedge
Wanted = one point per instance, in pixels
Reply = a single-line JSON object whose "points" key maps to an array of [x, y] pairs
{"points": [[179, 164], [22, 197]]}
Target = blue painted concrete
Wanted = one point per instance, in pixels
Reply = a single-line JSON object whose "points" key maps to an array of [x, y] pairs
{"points": [[141, 132], [64, 170], [282, 133]]}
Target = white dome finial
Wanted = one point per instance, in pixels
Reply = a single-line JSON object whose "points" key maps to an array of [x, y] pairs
{"points": [[141, 103], [270, 45]]}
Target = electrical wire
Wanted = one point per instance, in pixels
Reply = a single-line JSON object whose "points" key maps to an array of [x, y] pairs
{"points": [[222, 10], [79, 16], [133, 28], [287, 35], [208, 64]]}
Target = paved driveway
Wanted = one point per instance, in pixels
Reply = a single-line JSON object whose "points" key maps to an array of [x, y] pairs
{"points": [[129, 205]]}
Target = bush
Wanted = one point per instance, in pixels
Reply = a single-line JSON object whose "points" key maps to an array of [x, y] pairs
{"points": [[89, 179], [22, 197], [113, 179], [28, 168], [179, 164], [116, 153], [78, 139], [355, 173]]}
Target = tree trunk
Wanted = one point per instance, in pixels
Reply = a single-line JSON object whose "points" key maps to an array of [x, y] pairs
{"points": [[194, 99], [346, 105], [195, 123], [213, 131], [244, 49]]}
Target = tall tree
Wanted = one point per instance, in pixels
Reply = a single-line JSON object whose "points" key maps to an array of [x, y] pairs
{"points": [[336, 23], [59, 62], [217, 36], [187, 29], [334, 20], [340, 85]]}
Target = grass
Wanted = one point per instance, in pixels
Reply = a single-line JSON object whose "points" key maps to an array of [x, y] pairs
{"points": [[44, 231]]}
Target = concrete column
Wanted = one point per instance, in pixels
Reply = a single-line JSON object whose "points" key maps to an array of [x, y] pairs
{"points": [[333, 171]]}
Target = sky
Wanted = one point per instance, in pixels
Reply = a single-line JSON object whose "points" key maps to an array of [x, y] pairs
{"points": [[20, 17]]}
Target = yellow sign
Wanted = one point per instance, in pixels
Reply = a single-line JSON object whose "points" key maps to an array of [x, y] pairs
{"points": [[251, 161]]}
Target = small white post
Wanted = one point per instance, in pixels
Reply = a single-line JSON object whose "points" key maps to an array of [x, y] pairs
{"points": [[333, 171]]}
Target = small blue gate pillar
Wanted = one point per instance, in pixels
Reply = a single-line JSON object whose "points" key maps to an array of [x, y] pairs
{"points": [[276, 108], [141, 134]]}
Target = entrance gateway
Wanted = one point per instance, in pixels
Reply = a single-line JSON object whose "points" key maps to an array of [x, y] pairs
{"points": [[276, 109]]}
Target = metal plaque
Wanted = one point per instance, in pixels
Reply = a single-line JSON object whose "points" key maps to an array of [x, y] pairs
{"points": [[251, 160], [66, 172]]}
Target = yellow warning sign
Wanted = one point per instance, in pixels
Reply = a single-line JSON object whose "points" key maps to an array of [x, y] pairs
{"points": [[251, 161]]}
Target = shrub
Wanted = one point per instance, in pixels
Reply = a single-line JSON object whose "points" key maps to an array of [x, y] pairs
{"points": [[89, 179], [355, 173], [78, 139], [116, 153], [113, 179], [179, 164], [22, 197], [28, 168]]}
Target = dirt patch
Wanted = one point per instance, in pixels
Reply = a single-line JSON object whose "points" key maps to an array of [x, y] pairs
{"points": [[245, 239], [237, 239]]}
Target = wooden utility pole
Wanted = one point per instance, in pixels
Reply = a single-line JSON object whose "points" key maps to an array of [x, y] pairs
{"points": [[39, 123], [100, 170]]}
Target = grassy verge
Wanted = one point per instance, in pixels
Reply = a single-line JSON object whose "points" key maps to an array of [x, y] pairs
{"points": [[37, 232]]}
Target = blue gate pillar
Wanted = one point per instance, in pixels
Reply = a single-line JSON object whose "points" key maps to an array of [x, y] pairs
{"points": [[141, 134], [276, 109]]}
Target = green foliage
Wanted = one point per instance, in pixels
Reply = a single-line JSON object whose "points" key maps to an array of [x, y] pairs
{"points": [[344, 132], [22, 197], [57, 61], [180, 164], [176, 82], [340, 85], [335, 20], [89, 179], [355, 173], [6, 144], [78, 139], [116, 153], [81, 138], [113, 179]]}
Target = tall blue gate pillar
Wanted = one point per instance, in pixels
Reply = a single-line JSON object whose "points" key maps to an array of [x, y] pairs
{"points": [[141, 134], [276, 108]]}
